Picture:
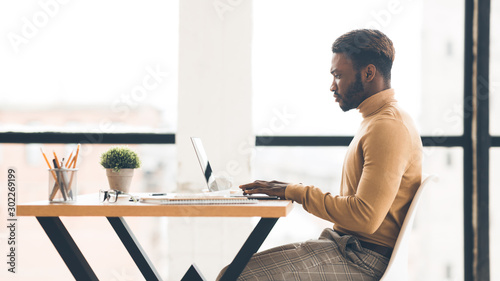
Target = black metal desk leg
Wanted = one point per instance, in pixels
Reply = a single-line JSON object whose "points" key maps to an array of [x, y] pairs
{"points": [[134, 248], [253, 243], [67, 248], [193, 274]]}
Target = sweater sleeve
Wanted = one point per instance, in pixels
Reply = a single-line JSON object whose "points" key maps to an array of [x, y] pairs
{"points": [[386, 154]]}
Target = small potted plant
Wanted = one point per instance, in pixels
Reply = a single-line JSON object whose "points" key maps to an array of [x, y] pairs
{"points": [[120, 162]]}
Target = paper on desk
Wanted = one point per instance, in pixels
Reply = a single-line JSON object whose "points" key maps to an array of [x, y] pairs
{"points": [[223, 194]]}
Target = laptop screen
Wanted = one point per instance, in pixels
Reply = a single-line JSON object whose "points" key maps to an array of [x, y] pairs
{"points": [[204, 164]]}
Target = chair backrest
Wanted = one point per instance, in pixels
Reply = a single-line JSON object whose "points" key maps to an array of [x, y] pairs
{"points": [[397, 270]]}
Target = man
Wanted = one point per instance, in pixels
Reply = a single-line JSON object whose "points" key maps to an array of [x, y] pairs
{"points": [[382, 171]]}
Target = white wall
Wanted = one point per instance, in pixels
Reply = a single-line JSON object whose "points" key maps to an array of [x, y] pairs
{"points": [[214, 89], [214, 104]]}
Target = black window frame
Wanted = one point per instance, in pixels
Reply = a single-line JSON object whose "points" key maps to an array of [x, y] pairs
{"points": [[84, 138]]}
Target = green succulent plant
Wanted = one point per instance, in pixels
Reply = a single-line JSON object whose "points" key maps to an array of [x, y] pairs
{"points": [[120, 157]]}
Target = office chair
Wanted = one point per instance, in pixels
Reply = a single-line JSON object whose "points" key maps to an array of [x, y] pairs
{"points": [[397, 270]]}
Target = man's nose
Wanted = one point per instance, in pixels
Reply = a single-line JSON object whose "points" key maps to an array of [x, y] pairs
{"points": [[333, 87]]}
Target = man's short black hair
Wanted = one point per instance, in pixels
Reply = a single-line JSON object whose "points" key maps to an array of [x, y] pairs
{"points": [[367, 46]]}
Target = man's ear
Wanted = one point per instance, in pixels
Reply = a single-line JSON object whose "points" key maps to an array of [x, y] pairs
{"points": [[369, 73]]}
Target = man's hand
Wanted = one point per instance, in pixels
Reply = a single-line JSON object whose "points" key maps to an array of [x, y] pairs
{"points": [[276, 188]]}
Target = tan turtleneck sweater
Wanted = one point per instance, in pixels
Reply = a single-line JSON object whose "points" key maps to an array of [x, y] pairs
{"points": [[381, 173]]}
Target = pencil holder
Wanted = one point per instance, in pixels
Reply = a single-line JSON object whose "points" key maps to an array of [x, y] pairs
{"points": [[63, 185]]}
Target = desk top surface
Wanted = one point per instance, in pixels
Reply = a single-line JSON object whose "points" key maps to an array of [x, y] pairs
{"points": [[89, 205]]}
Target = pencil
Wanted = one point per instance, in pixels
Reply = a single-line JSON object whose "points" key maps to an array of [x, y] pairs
{"points": [[68, 164], [48, 164], [73, 161], [45, 157], [76, 156], [54, 190]]}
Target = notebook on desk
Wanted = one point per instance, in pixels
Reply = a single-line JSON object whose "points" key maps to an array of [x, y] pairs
{"points": [[209, 176], [195, 199]]}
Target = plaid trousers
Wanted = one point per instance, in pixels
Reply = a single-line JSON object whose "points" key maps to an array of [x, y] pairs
{"points": [[330, 257]]}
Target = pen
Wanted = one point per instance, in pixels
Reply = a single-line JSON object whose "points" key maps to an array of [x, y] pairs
{"points": [[56, 184], [60, 177], [66, 183]]}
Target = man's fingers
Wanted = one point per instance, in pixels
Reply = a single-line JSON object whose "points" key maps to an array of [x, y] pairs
{"points": [[259, 191], [253, 188], [248, 186], [251, 191], [255, 184]]}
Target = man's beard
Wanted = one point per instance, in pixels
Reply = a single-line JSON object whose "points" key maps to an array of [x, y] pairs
{"points": [[353, 95]]}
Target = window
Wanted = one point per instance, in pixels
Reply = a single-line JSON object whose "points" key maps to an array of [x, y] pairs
{"points": [[291, 63], [93, 66]]}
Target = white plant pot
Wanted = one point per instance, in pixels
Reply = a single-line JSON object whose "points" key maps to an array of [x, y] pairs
{"points": [[120, 180]]}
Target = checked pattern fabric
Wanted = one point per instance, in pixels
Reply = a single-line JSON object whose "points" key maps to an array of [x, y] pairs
{"points": [[330, 257]]}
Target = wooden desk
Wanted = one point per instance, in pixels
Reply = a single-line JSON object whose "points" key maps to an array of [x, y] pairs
{"points": [[48, 215]]}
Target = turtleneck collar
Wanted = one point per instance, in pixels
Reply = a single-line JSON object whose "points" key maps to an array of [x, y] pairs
{"points": [[375, 102]]}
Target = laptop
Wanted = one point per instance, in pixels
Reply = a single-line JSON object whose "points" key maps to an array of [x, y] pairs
{"points": [[204, 164], [209, 176]]}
